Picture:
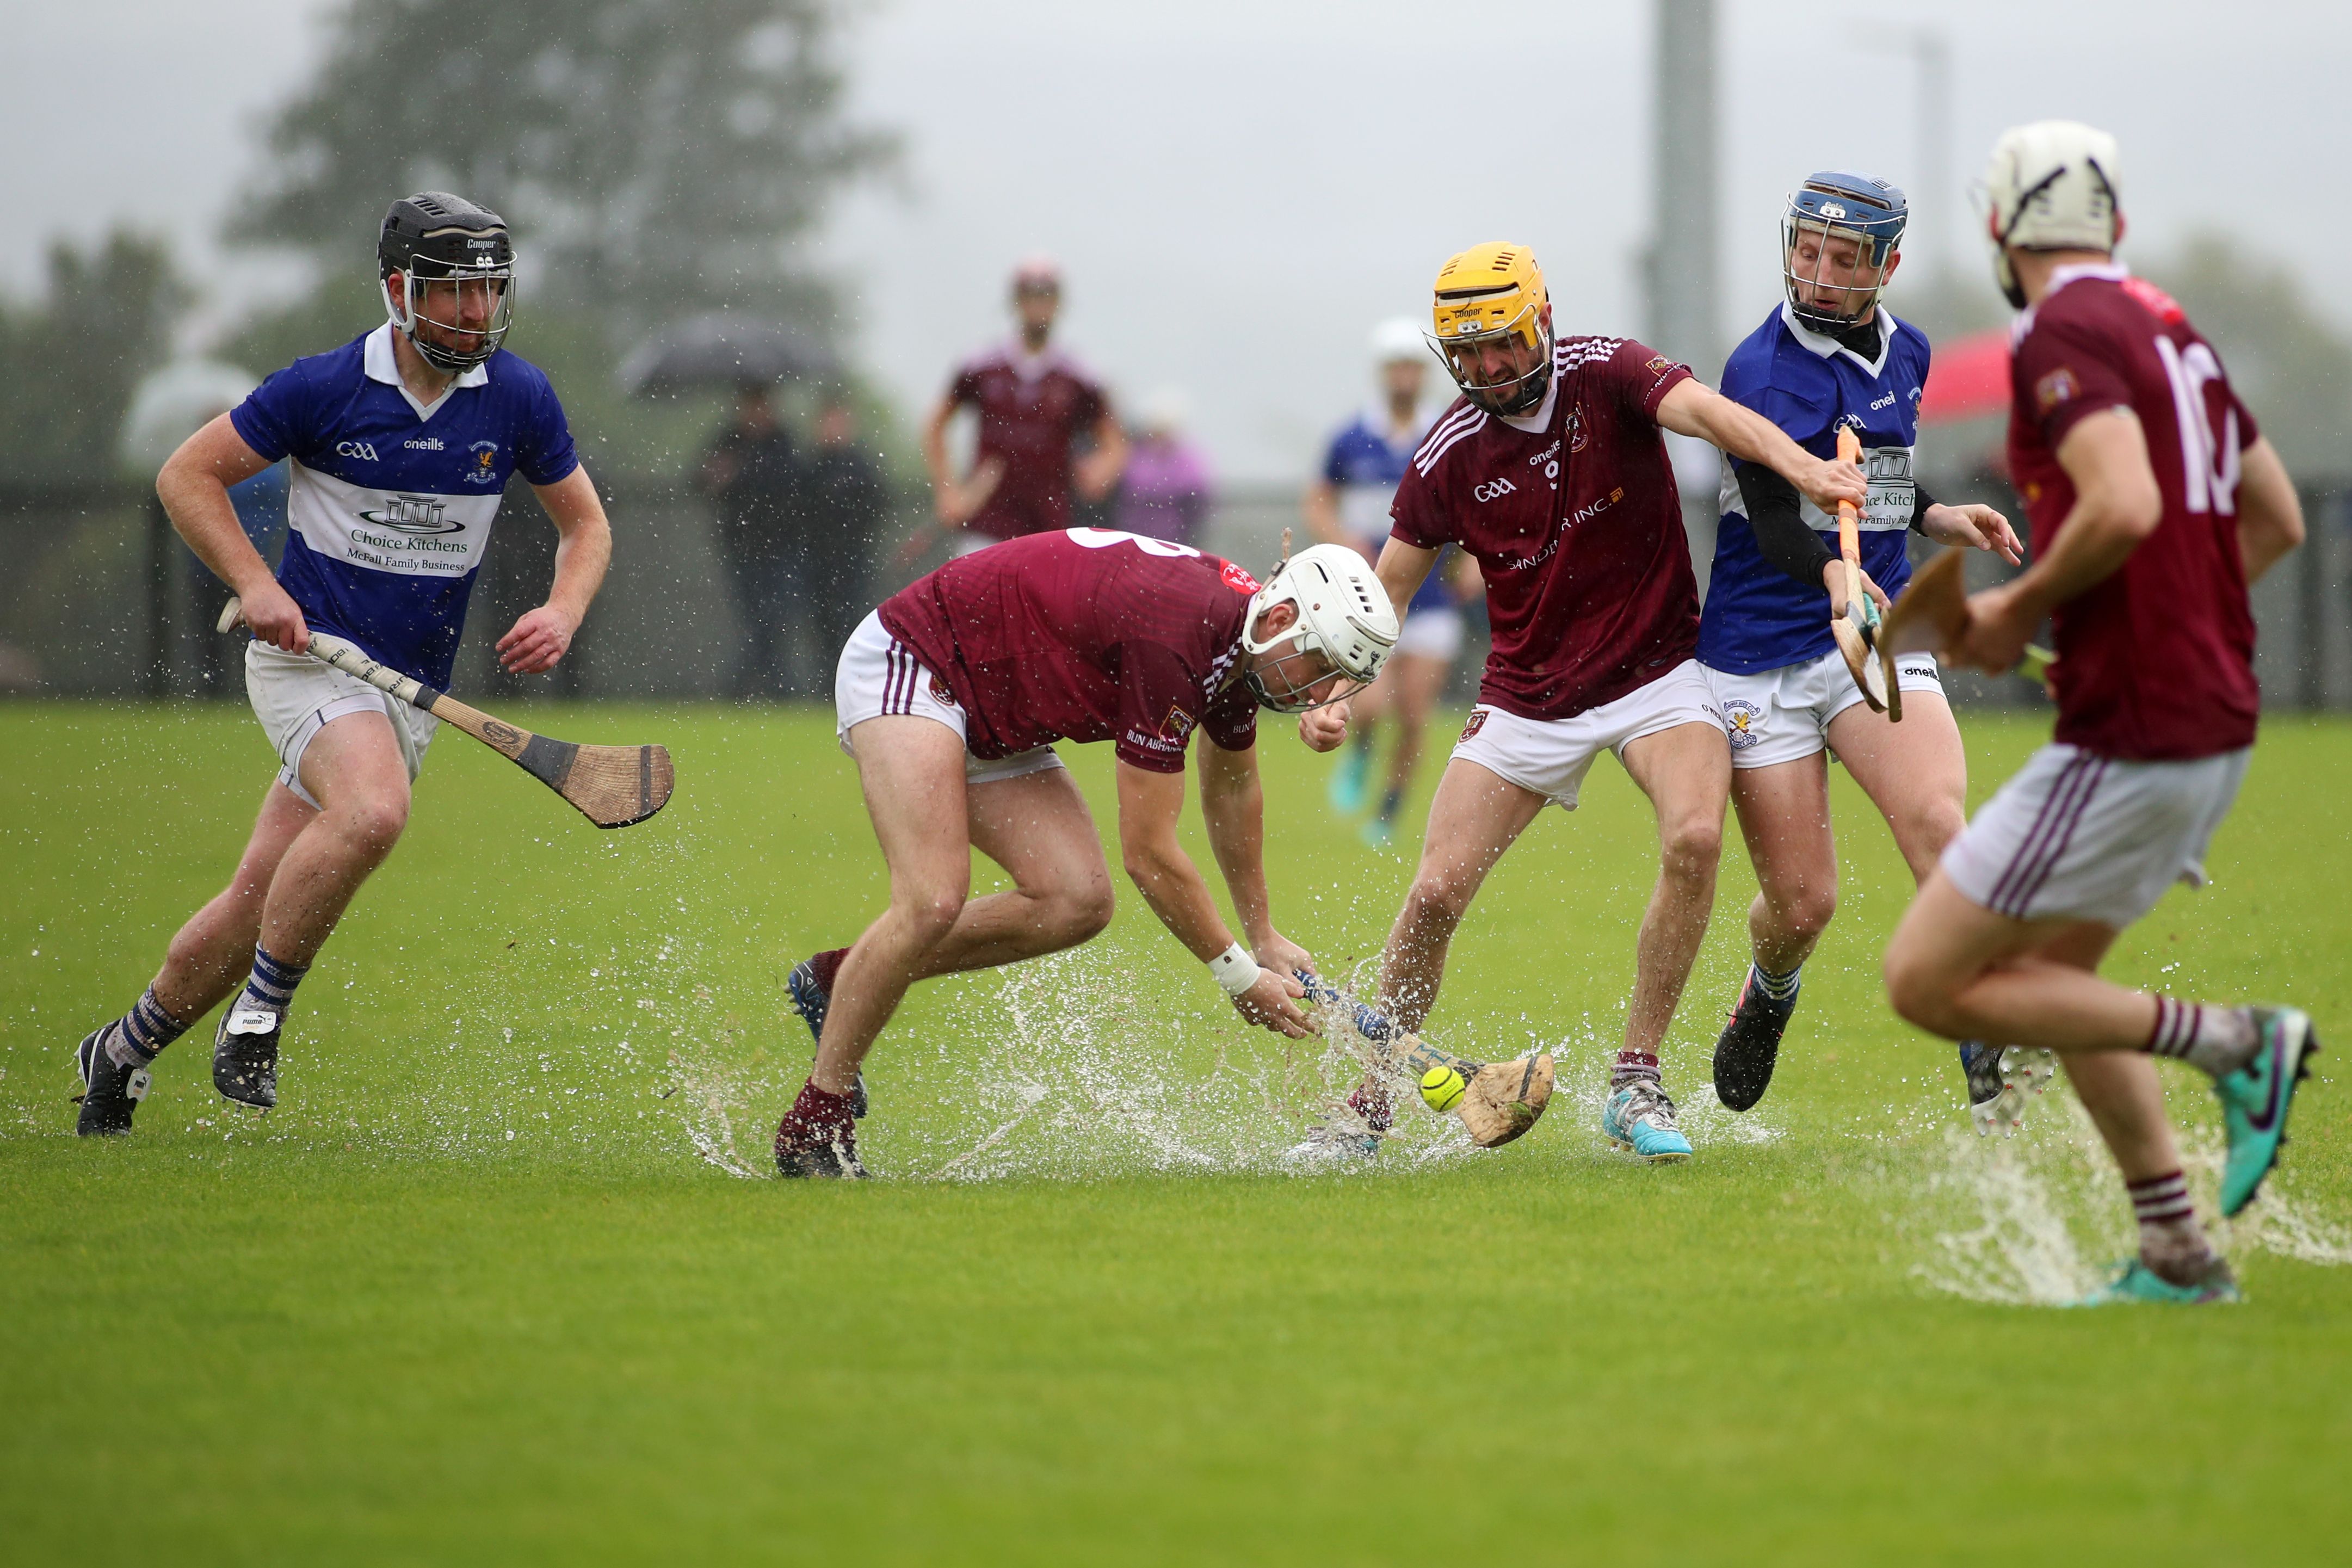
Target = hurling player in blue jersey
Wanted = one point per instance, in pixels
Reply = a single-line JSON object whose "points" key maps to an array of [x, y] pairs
{"points": [[1830, 355], [1348, 505], [400, 444]]}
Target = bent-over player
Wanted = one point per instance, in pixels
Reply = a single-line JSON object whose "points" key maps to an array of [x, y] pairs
{"points": [[950, 697], [1549, 470], [2154, 503], [1831, 356], [401, 443]]}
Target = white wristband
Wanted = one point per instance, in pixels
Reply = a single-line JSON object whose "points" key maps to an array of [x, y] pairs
{"points": [[1235, 970]]}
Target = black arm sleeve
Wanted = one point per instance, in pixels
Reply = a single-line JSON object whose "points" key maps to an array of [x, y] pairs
{"points": [[1781, 535], [1920, 502]]}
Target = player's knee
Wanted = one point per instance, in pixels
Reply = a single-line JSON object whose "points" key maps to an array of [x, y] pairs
{"points": [[1919, 993], [1805, 911], [1089, 910], [1690, 846], [929, 913], [1438, 900], [373, 821]]}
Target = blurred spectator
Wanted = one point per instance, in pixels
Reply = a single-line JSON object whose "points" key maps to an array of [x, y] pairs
{"points": [[220, 662], [1045, 429], [1167, 486], [752, 474], [845, 504]]}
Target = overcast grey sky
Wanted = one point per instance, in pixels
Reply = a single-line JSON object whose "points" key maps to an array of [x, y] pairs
{"points": [[1240, 188]]}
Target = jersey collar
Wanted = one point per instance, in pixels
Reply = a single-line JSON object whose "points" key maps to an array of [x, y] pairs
{"points": [[378, 361], [2105, 271], [1823, 344], [1535, 423]]}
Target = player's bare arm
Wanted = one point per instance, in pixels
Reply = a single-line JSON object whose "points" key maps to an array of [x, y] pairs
{"points": [[1401, 569], [2118, 504], [194, 488], [1320, 507], [541, 637], [1098, 472], [2270, 514], [1149, 804], [1691, 409], [1233, 805], [954, 501]]}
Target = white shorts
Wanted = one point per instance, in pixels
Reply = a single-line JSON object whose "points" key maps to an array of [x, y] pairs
{"points": [[1431, 634], [2075, 836], [295, 696], [1783, 715], [878, 674], [1551, 756]]}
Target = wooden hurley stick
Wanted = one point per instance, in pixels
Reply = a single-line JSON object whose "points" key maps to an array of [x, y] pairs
{"points": [[1500, 1100], [1852, 631], [613, 787]]}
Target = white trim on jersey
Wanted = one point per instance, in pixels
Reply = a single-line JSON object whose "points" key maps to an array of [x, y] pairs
{"points": [[377, 359], [1825, 347], [2105, 271], [407, 534], [1464, 421]]}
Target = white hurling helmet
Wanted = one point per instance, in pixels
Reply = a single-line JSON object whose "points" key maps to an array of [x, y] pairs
{"points": [[2051, 186], [1344, 614]]}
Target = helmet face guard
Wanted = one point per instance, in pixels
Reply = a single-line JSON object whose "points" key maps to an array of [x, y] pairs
{"points": [[1840, 235], [450, 255], [1505, 371]]}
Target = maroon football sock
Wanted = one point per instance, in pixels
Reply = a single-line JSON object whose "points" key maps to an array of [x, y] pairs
{"points": [[816, 1118], [827, 964]]}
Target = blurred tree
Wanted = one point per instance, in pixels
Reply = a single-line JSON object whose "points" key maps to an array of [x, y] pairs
{"points": [[70, 358], [655, 158], [2291, 366]]}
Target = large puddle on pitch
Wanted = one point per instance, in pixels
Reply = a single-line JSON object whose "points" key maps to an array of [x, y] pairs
{"points": [[2042, 1220]]}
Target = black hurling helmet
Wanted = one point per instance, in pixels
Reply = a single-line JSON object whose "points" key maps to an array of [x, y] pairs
{"points": [[435, 238]]}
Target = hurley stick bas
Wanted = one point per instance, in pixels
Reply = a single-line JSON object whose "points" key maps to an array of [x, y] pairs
{"points": [[613, 787], [1856, 631], [1500, 1100]]}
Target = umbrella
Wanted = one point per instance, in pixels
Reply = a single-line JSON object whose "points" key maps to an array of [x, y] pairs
{"points": [[173, 404], [1968, 379], [721, 350]]}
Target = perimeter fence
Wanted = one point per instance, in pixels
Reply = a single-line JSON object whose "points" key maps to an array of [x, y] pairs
{"points": [[101, 600]]}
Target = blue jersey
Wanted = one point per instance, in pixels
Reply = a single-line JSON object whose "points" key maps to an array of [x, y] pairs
{"points": [[1755, 617], [1365, 464], [389, 505]]}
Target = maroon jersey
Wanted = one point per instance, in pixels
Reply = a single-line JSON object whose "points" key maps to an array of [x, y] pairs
{"points": [[2156, 662], [1576, 527], [1030, 409], [1085, 634]]}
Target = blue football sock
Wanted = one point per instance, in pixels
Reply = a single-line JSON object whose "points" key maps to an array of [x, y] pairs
{"points": [[273, 980], [145, 1030], [1779, 988]]}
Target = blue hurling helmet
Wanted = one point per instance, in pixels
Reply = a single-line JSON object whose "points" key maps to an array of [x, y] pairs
{"points": [[1838, 204]]}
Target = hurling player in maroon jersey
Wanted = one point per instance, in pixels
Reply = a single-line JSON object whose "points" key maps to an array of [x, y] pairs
{"points": [[950, 697], [1550, 471], [1033, 401], [2154, 502]]}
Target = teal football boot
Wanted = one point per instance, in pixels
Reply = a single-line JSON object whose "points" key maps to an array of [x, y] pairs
{"points": [[2135, 1283], [2256, 1101], [1640, 1118]]}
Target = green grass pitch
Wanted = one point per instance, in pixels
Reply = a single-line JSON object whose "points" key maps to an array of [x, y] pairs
{"points": [[488, 1285]]}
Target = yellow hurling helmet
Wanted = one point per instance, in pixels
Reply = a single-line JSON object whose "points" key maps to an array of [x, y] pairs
{"points": [[1490, 298]]}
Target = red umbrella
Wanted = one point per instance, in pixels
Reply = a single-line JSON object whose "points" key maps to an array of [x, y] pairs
{"points": [[1968, 379]]}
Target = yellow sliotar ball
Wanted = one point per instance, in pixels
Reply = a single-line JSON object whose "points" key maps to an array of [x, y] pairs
{"points": [[1441, 1088]]}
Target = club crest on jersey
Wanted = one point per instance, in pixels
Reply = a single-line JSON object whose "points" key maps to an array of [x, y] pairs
{"points": [[941, 694], [413, 514], [1177, 725], [483, 469], [1477, 722], [2057, 387], [1577, 434], [1657, 365], [1743, 723]]}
